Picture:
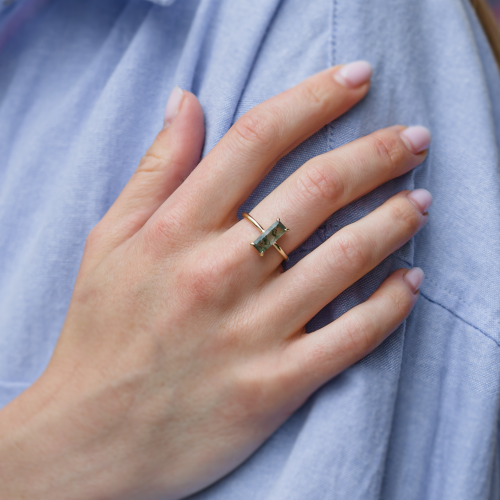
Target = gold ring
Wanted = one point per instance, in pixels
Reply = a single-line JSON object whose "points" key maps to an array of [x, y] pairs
{"points": [[269, 236]]}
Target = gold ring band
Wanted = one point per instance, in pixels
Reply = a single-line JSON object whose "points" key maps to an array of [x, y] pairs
{"points": [[268, 237]]}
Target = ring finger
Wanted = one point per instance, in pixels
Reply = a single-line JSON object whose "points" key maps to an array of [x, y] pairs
{"points": [[345, 257]]}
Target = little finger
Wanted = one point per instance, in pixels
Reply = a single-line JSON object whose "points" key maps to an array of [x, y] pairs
{"points": [[316, 358]]}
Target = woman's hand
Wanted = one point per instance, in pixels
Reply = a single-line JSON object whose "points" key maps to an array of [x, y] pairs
{"points": [[183, 350]]}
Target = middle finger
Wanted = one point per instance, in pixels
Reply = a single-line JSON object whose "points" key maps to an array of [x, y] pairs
{"points": [[327, 183]]}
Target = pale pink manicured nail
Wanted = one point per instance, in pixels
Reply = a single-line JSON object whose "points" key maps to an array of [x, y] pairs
{"points": [[421, 198], [416, 138], [354, 74], [414, 278], [173, 105]]}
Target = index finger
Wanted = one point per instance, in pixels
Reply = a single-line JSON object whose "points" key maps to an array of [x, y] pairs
{"points": [[234, 168]]}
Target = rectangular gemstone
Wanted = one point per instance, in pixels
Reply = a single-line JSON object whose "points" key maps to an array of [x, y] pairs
{"points": [[269, 236]]}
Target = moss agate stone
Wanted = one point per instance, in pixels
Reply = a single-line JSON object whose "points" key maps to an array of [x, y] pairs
{"points": [[269, 237]]}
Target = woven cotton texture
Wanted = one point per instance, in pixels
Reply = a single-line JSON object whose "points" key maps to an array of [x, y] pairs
{"points": [[83, 87]]}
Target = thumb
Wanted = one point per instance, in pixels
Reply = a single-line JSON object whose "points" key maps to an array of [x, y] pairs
{"points": [[173, 155]]}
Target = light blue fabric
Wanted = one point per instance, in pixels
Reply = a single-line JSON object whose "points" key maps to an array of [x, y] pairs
{"points": [[83, 87]]}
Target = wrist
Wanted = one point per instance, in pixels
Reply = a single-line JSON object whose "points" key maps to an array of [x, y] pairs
{"points": [[47, 452]]}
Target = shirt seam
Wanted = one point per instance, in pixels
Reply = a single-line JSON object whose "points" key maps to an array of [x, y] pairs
{"points": [[332, 56], [497, 342], [432, 301]]}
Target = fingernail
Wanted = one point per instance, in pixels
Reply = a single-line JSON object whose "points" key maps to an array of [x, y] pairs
{"points": [[421, 198], [416, 138], [173, 105], [354, 74], [414, 278]]}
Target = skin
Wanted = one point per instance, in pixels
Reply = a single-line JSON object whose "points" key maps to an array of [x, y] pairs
{"points": [[183, 349]]}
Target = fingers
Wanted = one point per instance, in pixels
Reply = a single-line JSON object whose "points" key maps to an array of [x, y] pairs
{"points": [[330, 181], [345, 257], [233, 169], [170, 159], [316, 358]]}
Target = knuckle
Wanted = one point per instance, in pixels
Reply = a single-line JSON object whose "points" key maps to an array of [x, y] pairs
{"points": [[93, 237], [320, 181], [359, 335], [401, 301], [93, 240], [204, 280], [349, 251], [256, 128], [314, 92], [389, 151], [167, 231], [405, 215], [151, 163]]}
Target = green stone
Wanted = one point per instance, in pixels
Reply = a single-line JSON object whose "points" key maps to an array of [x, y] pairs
{"points": [[269, 236]]}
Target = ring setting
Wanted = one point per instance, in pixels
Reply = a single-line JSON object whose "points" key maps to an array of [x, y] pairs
{"points": [[269, 236]]}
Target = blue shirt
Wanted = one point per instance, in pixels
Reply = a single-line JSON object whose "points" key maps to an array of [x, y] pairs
{"points": [[83, 86]]}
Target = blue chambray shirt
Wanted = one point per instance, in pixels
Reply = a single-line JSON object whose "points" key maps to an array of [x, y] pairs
{"points": [[83, 86]]}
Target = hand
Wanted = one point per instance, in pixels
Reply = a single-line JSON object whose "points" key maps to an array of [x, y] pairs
{"points": [[183, 350]]}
